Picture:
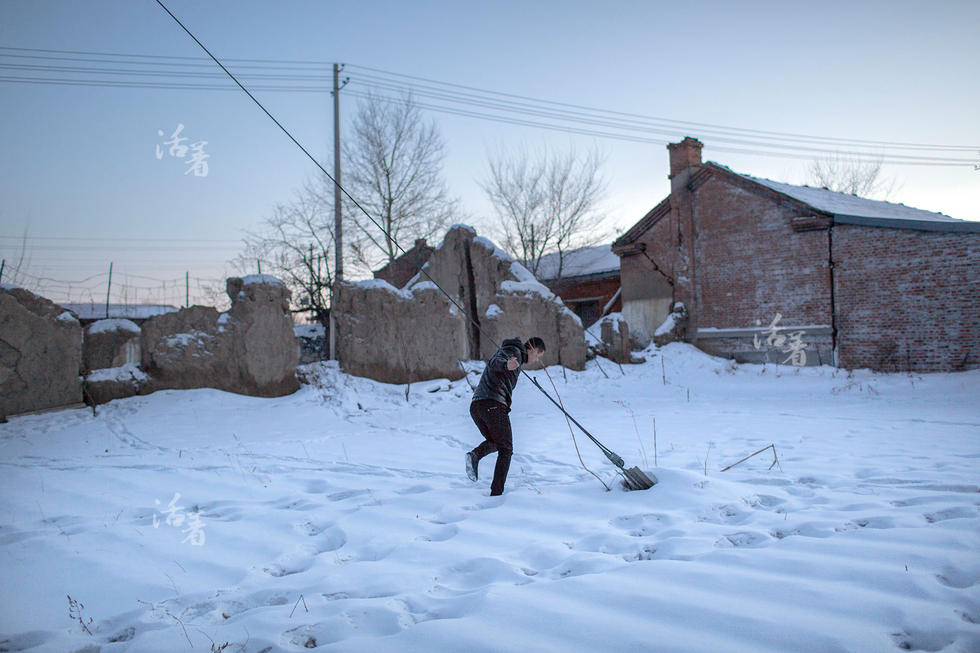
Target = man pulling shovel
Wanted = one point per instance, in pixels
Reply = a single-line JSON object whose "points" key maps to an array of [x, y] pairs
{"points": [[491, 405]]}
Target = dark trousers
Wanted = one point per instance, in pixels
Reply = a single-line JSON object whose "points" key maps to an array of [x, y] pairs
{"points": [[491, 418]]}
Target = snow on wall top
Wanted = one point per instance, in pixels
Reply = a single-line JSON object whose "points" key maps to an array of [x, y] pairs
{"points": [[113, 324], [852, 205], [579, 263], [495, 251], [253, 279], [92, 311], [384, 285]]}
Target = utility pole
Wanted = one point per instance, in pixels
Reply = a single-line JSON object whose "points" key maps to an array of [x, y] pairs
{"points": [[337, 196]]}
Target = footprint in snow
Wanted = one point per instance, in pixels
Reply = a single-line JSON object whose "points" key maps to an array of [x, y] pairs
{"points": [[639, 525], [415, 489], [230, 608], [315, 486], [727, 513], [291, 563], [742, 539], [446, 532], [950, 513], [960, 579]]}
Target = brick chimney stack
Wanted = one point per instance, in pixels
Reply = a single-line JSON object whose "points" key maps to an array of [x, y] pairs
{"points": [[685, 160], [684, 155]]}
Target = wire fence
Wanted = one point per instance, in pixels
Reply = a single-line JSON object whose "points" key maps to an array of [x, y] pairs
{"points": [[120, 288]]}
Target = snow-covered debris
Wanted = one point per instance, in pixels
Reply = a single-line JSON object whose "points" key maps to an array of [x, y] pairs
{"points": [[127, 372]]}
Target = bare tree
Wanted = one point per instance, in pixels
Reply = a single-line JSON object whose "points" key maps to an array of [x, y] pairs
{"points": [[295, 244], [393, 167], [861, 177], [13, 268], [546, 202]]}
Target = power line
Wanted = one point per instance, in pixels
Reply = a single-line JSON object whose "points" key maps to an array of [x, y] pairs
{"points": [[891, 159], [588, 121], [122, 239]]}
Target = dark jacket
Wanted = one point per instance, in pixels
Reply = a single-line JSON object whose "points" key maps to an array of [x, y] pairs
{"points": [[497, 382]]}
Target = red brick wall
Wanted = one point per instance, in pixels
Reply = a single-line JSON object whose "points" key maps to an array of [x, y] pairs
{"points": [[907, 300], [605, 287], [750, 264]]}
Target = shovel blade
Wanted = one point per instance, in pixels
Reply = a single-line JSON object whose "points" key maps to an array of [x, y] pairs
{"points": [[637, 480]]}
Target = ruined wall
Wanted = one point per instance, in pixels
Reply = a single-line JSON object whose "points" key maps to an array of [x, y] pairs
{"points": [[40, 353], [111, 343], [251, 349], [398, 336], [418, 333], [504, 298]]}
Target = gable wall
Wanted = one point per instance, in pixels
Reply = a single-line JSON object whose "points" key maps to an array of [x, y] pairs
{"points": [[647, 296], [751, 265], [907, 300]]}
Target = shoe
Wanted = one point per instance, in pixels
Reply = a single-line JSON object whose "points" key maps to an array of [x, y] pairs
{"points": [[471, 467]]}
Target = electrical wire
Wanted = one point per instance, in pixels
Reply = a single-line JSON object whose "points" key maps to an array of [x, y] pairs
{"points": [[473, 102]]}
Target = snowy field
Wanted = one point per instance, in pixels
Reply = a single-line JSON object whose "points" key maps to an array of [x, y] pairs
{"points": [[340, 517]]}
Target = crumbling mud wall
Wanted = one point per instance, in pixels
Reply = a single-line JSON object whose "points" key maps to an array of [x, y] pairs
{"points": [[250, 350], [418, 333], [398, 336], [40, 353], [110, 343]]}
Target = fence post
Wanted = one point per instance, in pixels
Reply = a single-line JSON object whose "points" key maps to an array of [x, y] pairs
{"points": [[108, 288]]}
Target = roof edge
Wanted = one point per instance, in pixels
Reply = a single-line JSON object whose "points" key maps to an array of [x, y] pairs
{"points": [[965, 226]]}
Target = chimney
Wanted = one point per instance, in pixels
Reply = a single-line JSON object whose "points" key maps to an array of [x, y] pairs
{"points": [[419, 243], [684, 155]]}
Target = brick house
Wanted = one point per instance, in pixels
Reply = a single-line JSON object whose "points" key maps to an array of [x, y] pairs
{"points": [[400, 271], [586, 279], [862, 283]]}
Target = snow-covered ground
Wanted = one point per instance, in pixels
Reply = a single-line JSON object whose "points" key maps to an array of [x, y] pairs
{"points": [[340, 517]]}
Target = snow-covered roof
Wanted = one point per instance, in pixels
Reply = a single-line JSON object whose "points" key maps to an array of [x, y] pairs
{"points": [[851, 209], [91, 311], [586, 261], [842, 203]]}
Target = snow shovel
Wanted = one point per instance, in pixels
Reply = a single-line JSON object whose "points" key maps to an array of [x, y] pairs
{"points": [[634, 476]]}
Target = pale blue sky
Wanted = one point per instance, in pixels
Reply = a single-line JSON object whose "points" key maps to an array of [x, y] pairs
{"points": [[78, 162]]}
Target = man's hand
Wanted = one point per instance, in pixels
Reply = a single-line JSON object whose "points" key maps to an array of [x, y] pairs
{"points": [[512, 364]]}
